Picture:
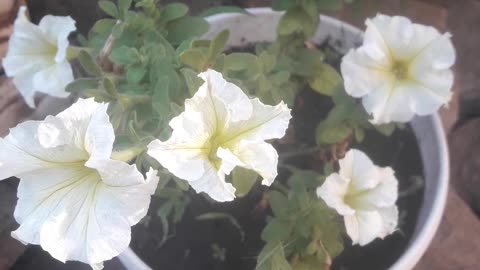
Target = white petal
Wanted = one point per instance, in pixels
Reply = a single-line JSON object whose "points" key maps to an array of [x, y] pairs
{"points": [[364, 226], [29, 49], [361, 73], [183, 160], [333, 192], [266, 122], [390, 220], [76, 216], [57, 29], [425, 100], [391, 103], [24, 83], [260, 157], [236, 101], [383, 195], [213, 184], [54, 79], [358, 167]]}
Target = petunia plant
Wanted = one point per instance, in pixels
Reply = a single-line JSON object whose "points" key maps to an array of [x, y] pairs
{"points": [[162, 112]]}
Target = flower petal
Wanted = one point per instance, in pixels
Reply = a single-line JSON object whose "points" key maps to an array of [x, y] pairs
{"points": [[361, 73], [213, 184], [57, 29], [364, 226], [358, 167], [385, 194], [390, 220], [266, 122], [333, 192], [234, 99], [260, 157], [75, 216], [183, 160], [54, 79]]}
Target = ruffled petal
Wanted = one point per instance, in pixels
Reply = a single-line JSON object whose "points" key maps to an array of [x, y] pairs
{"points": [[260, 157], [333, 192], [384, 194], [358, 167], [53, 79], [266, 122], [389, 219], [214, 185], [57, 29], [361, 73], [183, 160], [234, 99], [363, 227]]}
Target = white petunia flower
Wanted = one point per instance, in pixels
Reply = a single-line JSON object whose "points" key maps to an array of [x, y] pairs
{"points": [[401, 70], [221, 128], [364, 195], [73, 199], [37, 56]]}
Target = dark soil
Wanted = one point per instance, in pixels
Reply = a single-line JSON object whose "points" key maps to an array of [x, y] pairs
{"points": [[190, 246]]}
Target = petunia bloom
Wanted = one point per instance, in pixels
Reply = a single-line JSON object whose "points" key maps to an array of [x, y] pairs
{"points": [[221, 128], [364, 195], [401, 70], [37, 56], [73, 199]]}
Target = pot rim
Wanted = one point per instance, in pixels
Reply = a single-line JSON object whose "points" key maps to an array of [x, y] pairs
{"points": [[422, 237]]}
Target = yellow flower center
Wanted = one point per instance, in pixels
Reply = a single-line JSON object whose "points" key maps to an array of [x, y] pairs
{"points": [[400, 70]]}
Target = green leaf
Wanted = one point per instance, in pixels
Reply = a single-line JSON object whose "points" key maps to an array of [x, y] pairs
{"points": [[135, 73], [359, 134], [278, 204], [109, 86], [103, 26], [217, 45], [240, 61], [296, 20], [186, 28], [195, 58], [173, 11], [192, 80], [109, 8], [82, 84], [272, 257], [161, 96], [124, 56], [124, 5], [89, 64], [332, 134], [243, 180], [325, 80], [277, 230], [223, 9]]}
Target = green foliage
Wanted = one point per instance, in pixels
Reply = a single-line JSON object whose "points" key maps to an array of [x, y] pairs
{"points": [[303, 232], [243, 180]]}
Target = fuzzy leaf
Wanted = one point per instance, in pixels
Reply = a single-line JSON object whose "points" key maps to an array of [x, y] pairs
{"points": [[332, 134], [103, 26], [195, 58], [82, 84], [123, 56], [278, 204], [277, 230], [186, 28], [240, 61], [89, 64], [109, 8], [135, 73], [325, 80], [272, 257], [173, 11], [243, 180], [217, 45]]}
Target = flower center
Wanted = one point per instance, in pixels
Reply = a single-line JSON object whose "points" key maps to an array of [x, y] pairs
{"points": [[400, 70], [211, 151]]}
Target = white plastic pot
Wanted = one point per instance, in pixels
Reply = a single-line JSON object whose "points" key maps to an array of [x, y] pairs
{"points": [[246, 29]]}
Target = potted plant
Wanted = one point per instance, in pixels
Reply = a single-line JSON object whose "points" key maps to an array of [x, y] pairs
{"points": [[296, 148]]}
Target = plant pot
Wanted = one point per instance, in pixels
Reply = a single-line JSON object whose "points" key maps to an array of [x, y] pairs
{"points": [[428, 131]]}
